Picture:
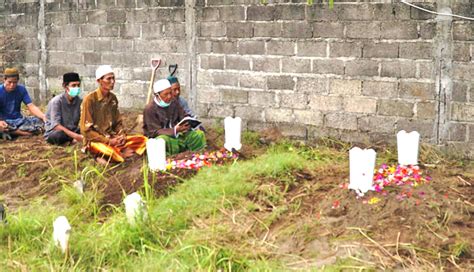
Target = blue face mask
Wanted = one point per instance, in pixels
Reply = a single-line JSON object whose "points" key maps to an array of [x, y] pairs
{"points": [[74, 91], [160, 102]]}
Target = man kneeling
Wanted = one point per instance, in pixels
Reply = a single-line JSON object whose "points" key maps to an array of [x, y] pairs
{"points": [[160, 119], [101, 122]]}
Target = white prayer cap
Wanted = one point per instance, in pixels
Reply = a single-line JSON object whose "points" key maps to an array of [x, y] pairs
{"points": [[161, 85], [102, 71]]}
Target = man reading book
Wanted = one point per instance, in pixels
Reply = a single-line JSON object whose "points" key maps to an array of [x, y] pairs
{"points": [[176, 92], [161, 118]]}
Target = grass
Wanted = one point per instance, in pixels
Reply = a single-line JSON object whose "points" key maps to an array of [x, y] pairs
{"points": [[167, 239], [21, 171], [201, 195], [217, 220], [460, 248]]}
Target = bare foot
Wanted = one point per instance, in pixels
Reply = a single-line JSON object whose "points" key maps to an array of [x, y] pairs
{"points": [[127, 152], [21, 133], [101, 161]]}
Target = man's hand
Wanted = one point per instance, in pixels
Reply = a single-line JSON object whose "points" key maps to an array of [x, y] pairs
{"points": [[182, 128], [3, 125], [36, 112], [78, 137], [117, 141]]}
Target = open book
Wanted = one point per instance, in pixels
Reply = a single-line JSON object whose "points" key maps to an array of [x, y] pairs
{"points": [[193, 122]]}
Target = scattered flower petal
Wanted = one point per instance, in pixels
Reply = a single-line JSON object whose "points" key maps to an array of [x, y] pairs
{"points": [[197, 161], [374, 200]]}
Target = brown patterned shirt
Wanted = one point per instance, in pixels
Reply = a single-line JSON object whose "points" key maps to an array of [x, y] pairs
{"points": [[100, 117]]}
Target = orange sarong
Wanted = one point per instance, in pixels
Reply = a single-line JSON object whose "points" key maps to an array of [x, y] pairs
{"points": [[135, 142]]}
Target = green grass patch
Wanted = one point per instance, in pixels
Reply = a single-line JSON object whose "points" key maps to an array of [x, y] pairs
{"points": [[164, 240], [202, 195]]}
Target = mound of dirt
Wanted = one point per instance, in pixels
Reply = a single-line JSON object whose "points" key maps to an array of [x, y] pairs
{"points": [[308, 217], [128, 178], [30, 168], [431, 227]]}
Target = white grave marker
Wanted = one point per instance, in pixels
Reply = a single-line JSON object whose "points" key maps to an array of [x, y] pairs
{"points": [[156, 152], [61, 232], [361, 165], [232, 128], [134, 208], [79, 186], [407, 147]]}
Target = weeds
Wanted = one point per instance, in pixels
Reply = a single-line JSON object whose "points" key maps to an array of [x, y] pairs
{"points": [[460, 248], [113, 243], [21, 171], [146, 186], [224, 218], [251, 139], [431, 155], [76, 166]]}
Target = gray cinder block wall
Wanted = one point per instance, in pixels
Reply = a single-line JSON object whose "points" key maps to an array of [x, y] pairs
{"points": [[359, 72]]}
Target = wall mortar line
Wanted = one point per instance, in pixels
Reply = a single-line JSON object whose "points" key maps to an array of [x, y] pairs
{"points": [[443, 57], [43, 86], [191, 49]]}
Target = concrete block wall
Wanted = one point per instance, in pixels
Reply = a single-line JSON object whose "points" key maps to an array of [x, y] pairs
{"points": [[358, 72], [18, 41], [124, 34], [460, 102], [80, 35]]}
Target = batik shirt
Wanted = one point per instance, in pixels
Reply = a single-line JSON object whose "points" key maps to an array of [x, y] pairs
{"points": [[100, 117]]}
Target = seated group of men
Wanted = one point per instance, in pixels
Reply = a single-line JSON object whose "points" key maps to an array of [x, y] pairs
{"points": [[95, 120]]}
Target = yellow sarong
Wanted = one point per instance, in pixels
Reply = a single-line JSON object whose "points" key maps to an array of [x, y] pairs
{"points": [[135, 142]]}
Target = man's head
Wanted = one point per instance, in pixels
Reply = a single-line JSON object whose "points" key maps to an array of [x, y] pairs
{"points": [[175, 87], [162, 90], [11, 76], [72, 84], [105, 77]]}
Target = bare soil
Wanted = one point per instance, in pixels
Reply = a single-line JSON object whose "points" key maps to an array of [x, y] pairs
{"points": [[431, 229], [30, 167], [309, 219]]}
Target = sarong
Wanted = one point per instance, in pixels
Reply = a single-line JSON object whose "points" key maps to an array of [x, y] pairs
{"points": [[193, 140], [135, 142], [27, 123]]}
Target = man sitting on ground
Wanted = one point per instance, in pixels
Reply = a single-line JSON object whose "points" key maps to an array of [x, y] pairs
{"points": [[63, 113], [12, 122], [101, 122], [161, 117]]}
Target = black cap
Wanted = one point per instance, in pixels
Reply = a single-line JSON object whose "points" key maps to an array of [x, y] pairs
{"points": [[70, 77]]}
